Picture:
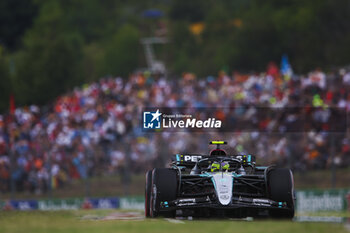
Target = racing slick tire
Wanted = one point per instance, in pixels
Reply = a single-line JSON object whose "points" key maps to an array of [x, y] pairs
{"points": [[148, 187], [281, 189], [164, 188]]}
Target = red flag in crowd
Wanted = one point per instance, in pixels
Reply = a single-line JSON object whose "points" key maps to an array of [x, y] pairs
{"points": [[12, 104]]}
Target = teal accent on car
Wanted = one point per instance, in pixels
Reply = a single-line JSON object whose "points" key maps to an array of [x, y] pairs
{"points": [[236, 175], [212, 180], [206, 174]]}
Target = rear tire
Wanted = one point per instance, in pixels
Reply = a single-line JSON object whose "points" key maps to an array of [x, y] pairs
{"points": [[281, 189], [164, 188], [148, 187]]}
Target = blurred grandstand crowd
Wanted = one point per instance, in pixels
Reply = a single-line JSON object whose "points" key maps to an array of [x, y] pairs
{"points": [[96, 129]]}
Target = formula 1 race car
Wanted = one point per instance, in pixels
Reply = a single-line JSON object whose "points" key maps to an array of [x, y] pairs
{"points": [[219, 185]]}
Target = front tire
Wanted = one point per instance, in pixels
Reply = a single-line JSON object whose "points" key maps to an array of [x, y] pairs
{"points": [[281, 189], [148, 187], [164, 188]]}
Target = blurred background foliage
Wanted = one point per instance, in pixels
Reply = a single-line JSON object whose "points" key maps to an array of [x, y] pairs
{"points": [[50, 46]]}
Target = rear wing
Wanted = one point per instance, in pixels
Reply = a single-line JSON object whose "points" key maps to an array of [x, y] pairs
{"points": [[189, 160]]}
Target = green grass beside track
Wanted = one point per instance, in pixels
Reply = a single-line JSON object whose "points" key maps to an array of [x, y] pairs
{"points": [[70, 221]]}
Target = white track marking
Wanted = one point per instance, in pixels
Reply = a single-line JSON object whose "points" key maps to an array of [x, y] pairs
{"points": [[176, 221]]}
